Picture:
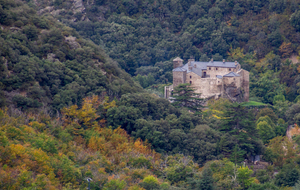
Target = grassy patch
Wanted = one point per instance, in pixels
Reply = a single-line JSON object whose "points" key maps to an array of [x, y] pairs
{"points": [[253, 103]]}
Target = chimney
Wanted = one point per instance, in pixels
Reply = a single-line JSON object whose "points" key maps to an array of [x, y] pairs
{"points": [[223, 60], [212, 60], [235, 63], [195, 66]]}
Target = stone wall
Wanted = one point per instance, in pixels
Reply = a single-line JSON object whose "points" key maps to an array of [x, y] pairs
{"points": [[178, 78], [207, 87], [232, 81], [221, 71], [244, 83]]}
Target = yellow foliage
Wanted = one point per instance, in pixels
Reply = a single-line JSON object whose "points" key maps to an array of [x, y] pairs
{"points": [[97, 143], [102, 170], [107, 104], [17, 150], [37, 125], [236, 53], [28, 130]]}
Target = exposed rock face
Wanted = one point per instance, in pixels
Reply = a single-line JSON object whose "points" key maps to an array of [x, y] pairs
{"points": [[78, 6], [47, 9], [51, 57], [72, 42], [14, 29]]}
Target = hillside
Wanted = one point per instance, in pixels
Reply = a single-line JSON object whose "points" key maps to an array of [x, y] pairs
{"points": [[142, 33], [75, 78], [144, 36], [47, 64]]}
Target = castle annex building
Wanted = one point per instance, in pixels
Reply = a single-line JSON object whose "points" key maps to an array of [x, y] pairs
{"points": [[212, 79]]}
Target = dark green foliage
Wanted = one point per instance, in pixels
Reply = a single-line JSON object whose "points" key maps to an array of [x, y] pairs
{"points": [[203, 143], [295, 20], [293, 115], [239, 122], [165, 127], [50, 70], [288, 176], [184, 96], [206, 182], [25, 103], [31, 32], [263, 176], [265, 186], [277, 6]]}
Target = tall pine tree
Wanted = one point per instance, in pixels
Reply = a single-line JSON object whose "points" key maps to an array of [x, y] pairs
{"points": [[184, 96]]}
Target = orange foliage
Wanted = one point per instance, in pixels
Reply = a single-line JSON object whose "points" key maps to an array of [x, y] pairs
{"points": [[285, 49]]}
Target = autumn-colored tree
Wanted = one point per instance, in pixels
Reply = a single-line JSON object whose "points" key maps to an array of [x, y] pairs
{"points": [[285, 49]]}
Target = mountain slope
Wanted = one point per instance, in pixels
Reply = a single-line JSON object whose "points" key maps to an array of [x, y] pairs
{"points": [[44, 62]]}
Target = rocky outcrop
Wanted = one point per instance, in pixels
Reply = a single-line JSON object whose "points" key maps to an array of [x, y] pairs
{"points": [[72, 42], [78, 6], [51, 57], [47, 9]]}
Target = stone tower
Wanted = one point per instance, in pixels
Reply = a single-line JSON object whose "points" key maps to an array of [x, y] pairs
{"points": [[177, 62]]}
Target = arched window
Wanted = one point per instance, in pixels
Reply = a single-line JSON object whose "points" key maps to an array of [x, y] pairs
{"points": [[190, 77], [190, 82]]}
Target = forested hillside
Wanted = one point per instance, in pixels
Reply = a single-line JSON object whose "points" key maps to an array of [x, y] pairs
{"points": [[143, 33], [144, 36], [47, 64], [75, 78]]}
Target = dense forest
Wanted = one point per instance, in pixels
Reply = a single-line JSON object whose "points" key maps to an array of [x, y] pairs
{"points": [[81, 85]]}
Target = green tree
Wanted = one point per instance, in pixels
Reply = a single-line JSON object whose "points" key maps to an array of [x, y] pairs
{"points": [[265, 131], [150, 183], [288, 176], [184, 96], [244, 177], [295, 20], [115, 184], [207, 181], [238, 121]]}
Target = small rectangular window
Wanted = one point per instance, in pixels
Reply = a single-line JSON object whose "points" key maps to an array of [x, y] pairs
{"points": [[216, 68], [229, 69], [209, 68]]}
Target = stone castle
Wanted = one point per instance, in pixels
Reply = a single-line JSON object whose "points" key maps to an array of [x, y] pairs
{"points": [[213, 79]]}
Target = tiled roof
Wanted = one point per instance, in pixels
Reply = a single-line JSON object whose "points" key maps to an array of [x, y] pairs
{"points": [[231, 74], [219, 76], [202, 66], [180, 69], [221, 64]]}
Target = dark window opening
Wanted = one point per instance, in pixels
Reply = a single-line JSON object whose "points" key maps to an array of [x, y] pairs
{"points": [[190, 82], [190, 77], [216, 68], [229, 69], [209, 68]]}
